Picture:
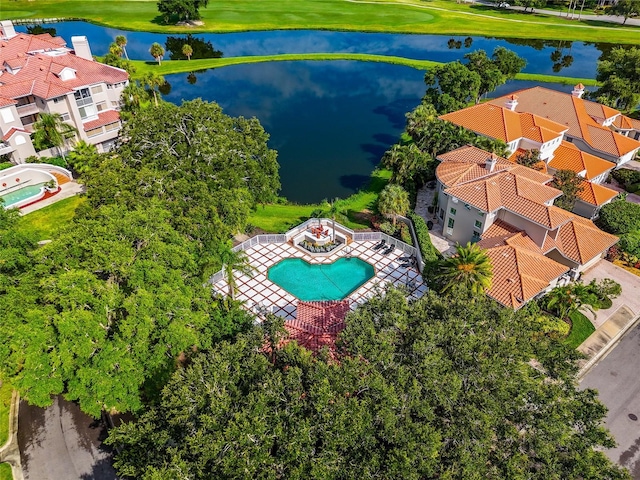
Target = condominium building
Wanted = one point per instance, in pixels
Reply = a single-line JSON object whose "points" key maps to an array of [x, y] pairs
{"points": [[41, 74]]}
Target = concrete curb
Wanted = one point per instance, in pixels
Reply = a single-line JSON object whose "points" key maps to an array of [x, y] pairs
{"points": [[10, 453], [607, 348]]}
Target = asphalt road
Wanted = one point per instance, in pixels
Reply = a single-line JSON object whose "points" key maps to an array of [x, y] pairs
{"points": [[62, 443], [616, 378]]}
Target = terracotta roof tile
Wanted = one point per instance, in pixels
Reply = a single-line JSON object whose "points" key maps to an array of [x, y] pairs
{"points": [[317, 324], [104, 118], [626, 123], [7, 101], [582, 117], [495, 121], [596, 194], [11, 131], [39, 72], [520, 274], [569, 157], [580, 240]]}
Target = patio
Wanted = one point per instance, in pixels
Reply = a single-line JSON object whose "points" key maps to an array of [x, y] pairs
{"points": [[260, 295]]}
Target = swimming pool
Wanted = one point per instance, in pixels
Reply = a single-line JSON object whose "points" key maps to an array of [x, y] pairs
{"points": [[21, 194], [333, 281]]}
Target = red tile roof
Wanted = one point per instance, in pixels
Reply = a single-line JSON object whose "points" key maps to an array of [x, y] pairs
{"points": [[569, 157], [39, 72], [520, 271], [317, 324], [583, 118], [496, 121], [626, 123], [596, 194], [104, 118], [11, 131]]}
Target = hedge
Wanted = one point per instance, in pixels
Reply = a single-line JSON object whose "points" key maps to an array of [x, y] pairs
{"points": [[430, 254]]}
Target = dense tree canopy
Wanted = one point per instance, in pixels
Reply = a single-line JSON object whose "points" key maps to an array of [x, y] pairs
{"points": [[104, 313], [451, 87], [619, 217], [495, 71], [437, 388], [571, 185], [181, 9], [619, 75]]}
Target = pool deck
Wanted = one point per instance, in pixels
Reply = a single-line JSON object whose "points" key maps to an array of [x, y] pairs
{"points": [[259, 294]]}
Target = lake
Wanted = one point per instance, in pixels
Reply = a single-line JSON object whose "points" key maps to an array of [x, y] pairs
{"points": [[331, 122]]}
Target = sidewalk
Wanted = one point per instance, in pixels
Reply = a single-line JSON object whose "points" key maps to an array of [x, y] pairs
{"points": [[605, 338], [9, 452]]}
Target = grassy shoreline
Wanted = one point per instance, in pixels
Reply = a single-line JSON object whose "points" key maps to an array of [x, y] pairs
{"points": [[185, 66], [443, 17]]}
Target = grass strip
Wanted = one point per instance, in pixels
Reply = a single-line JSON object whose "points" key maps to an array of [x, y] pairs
{"points": [[5, 472], [44, 224], [279, 218], [581, 328], [184, 66], [443, 17], [5, 407]]}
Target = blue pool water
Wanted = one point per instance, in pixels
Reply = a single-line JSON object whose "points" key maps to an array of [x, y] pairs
{"points": [[21, 194], [333, 281]]}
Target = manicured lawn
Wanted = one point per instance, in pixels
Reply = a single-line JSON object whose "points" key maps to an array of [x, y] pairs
{"points": [[581, 328], [183, 66], [44, 223], [280, 218], [5, 406], [409, 16], [5, 472]]}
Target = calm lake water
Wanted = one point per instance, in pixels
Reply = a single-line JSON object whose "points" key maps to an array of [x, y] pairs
{"points": [[331, 122]]}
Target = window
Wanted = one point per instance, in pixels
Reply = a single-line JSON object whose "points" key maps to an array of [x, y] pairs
{"points": [[441, 213], [481, 214], [7, 115], [96, 89], [476, 237], [65, 117], [87, 111], [112, 126], [101, 106], [58, 99], [467, 206], [451, 222], [477, 224], [452, 211]]}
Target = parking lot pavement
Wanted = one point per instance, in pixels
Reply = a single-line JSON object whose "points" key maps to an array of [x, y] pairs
{"points": [[616, 379], [62, 443]]}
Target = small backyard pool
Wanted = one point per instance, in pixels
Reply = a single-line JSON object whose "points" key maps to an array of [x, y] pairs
{"points": [[24, 193], [329, 281]]}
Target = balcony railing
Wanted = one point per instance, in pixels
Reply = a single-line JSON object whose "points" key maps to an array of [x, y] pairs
{"points": [[27, 109]]}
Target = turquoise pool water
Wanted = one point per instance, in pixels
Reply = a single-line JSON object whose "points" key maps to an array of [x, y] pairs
{"points": [[333, 281], [21, 194]]}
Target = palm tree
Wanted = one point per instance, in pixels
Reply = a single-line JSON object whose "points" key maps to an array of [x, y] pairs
{"points": [[121, 41], [51, 131], [187, 51], [157, 52], [561, 301], [153, 81], [83, 157], [393, 200], [115, 49], [233, 261], [469, 266]]}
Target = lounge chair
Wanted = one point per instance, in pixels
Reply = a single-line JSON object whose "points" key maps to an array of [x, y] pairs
{"points": [[380, 245], [406, 265], [389, 250]]}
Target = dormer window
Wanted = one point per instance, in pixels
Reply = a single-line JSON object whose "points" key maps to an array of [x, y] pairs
{"points": [[67, 74]]}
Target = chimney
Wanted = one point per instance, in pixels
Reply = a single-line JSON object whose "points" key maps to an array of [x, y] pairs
{"points": [[490, 163], [512, 102], [578, 90], [6, 30], [81, 47]]}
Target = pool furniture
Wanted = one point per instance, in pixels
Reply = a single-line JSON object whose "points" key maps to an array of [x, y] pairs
{"points": [[389, 250], [380, 245]]}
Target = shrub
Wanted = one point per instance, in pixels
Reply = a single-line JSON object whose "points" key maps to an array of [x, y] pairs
{"points": [[430, 254], [552, 326], [5, 165], [630, 243], [626, 176], [388, 228], [405, 234], [619, 217]]}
